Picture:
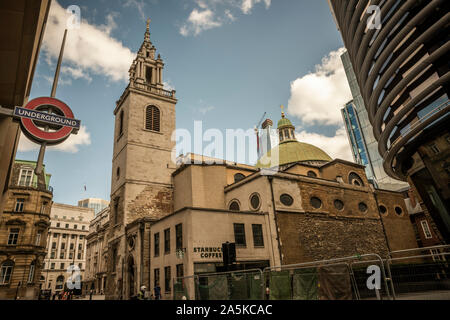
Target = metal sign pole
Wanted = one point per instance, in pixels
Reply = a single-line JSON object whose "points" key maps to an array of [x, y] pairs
{"points": [[39, 167]]}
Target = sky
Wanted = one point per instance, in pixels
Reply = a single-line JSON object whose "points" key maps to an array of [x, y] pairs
{"points": [[230, 61]]}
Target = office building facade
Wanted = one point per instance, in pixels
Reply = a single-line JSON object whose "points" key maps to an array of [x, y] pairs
{"points": [[400, 60], [66, 245]]}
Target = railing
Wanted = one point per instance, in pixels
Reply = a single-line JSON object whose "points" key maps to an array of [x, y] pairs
{"points": [[34, 185], [152, 89], [414, 274]]}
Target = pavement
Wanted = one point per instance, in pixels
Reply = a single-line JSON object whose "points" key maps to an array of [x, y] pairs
{"points": [[94, 297]]}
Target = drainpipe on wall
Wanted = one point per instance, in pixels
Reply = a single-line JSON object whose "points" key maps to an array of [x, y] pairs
{"points": [[149, 259], [382, 223], [275, 217], [141, 265]]}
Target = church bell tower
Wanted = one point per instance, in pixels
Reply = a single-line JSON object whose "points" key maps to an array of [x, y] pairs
{"points": [[141, 182]]}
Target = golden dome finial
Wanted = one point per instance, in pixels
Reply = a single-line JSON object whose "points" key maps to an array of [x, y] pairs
{"points": [[282, 112], [148, 24]]}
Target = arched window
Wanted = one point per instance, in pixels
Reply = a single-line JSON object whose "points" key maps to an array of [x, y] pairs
{"points": [[152, 118], [238, 177], [312, 174], [6, 272], [234, 206], [59, 283], [353, 178], [31, 273]]}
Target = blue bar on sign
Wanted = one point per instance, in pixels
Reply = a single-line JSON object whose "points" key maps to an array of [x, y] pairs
{"points": [[46, 117]]}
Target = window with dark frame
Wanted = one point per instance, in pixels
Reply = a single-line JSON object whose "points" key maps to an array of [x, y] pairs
{"points": [[19, 205], [6, 272], [156, 245], [167, 241], [239, 234], [258, 239], [180, 271], [13, 237], [179, 236], [156, 277], [234, 206], [116, 213], [121, 123], [152, 119], [167, 279]]}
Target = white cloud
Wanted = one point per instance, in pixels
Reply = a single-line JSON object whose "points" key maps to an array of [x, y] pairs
{"points": [[215, 13], [71, 145], [205, 110], [317, 97], [168, 85], [199, 21], [247, 5], [138, 4], [89, 49], [76, 73], [336, 147]]}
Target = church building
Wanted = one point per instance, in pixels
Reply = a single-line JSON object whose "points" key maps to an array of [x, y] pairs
{"points": [[169, 221]]}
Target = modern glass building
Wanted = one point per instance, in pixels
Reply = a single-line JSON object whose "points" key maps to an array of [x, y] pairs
{"points": [[96, 204], [363, 144], [356, 139], [399, 51]]}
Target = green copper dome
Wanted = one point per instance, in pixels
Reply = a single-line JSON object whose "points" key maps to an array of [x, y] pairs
{"points": [[290, 152], [284, 122]]}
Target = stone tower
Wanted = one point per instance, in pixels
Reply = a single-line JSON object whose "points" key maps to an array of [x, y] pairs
{"points": [[141, 183]]}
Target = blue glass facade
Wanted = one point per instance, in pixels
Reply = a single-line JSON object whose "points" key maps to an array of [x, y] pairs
{"points": [[360, 133], [356, 138]]}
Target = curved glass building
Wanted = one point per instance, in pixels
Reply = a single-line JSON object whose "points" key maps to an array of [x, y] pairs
{"points": [[399, 51]]}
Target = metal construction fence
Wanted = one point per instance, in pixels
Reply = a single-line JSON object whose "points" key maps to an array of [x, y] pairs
{"points": [[402, 275]]}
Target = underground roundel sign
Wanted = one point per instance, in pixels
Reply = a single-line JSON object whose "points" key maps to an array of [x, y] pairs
{"points": [[47, 120]]}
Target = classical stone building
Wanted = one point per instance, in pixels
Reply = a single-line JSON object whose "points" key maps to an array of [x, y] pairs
{"points": [[24, 226], [97, 253], [66, 245], [169, 220], [21, 42]]}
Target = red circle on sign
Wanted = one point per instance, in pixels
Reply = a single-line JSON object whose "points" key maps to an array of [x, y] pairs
{"points": [[44, 136]]}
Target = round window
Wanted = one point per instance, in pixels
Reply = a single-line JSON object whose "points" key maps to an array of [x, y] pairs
{"points": [[234, 206], [254, 201], [398, 210], [312, 174], [286, 199], [338, 204], [362, 207], [316, 202], [383, 209]]}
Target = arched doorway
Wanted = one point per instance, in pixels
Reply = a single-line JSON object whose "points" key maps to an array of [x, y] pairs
{"points": [[131, 277]]}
